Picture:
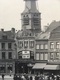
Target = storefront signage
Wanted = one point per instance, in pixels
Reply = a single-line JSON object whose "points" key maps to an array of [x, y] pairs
{"points": [[25, 54]]}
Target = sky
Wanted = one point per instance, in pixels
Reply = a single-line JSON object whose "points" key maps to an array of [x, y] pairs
{"points": [[10, 12]]}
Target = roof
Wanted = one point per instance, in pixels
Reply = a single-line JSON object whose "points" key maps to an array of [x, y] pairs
{"points": [[53, 25], [24, 33], [55, 34], [9, 34], [43, 35]]}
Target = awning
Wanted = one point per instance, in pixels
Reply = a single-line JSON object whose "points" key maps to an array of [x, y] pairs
{"points": [[51, 67], [39, 66]]}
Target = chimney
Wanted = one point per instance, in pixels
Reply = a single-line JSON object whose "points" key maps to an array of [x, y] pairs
{"points": [[13, 30]]}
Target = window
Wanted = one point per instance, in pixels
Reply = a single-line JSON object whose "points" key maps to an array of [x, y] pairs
{"points": [[46, 56], [20, 55], [20, 44], [41, 46], [37, 46], [25, 44], [36, 21], [51, 55], [3, 45], [9, 68], [37, 56], [2, 68], [46, 46], [57, 45], [4, 37], [52, 45], [3, 55], [26, 21], [9, 45], [31, 43], [57, 55], [10, 55], [31, 55], [41, 56]]}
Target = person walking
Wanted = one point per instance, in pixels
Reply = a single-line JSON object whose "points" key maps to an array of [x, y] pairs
{"points": [[2, 76]]}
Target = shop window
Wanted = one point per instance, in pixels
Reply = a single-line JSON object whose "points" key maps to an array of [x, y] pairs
{"points": [[9, 69], [3, 45], [9, 45], [58, 45], [3, 55], [51, 45], [2, 69], [9, 55]]}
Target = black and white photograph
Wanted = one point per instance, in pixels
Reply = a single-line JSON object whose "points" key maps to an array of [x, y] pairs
{"points": [[29, 39]]}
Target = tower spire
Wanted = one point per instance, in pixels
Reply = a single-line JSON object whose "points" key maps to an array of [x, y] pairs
{"points": [[31, 16]]}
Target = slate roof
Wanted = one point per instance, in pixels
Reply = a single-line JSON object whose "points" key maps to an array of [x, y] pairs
{"points": [[9, 34], [43, 35], [55, 34], [53, 25]]}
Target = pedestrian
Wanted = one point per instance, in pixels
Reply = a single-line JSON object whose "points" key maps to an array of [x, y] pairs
{"points": [[36, 77], [30, 77], [15, 77], [52, 76], [2, 76], [57, 77]]}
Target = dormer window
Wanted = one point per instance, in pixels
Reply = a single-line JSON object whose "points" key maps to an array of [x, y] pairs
{"points": [[4, 36]]}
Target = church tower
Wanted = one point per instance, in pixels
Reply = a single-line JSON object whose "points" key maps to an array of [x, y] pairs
{"points": [[31, 17]]}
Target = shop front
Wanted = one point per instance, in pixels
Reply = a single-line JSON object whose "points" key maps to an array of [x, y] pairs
{"points": [[44, 68], [23, 66], [39, 68], [7, 67]]}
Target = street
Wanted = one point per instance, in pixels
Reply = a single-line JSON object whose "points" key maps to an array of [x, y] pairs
{"points": [[7, 77]]}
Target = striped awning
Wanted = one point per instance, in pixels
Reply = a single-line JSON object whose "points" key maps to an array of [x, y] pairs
{"points": [[39, 66], [51, 67]]}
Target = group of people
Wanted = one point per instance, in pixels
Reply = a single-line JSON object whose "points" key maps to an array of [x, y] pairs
{"points": [[36, 77], [53, 77], [28, 77]]}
